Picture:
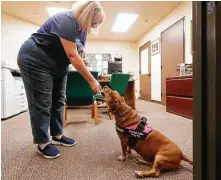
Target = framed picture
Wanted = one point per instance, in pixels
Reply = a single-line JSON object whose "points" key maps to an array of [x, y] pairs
{"points": [[155, 47]]}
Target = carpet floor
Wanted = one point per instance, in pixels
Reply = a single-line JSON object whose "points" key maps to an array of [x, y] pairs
{"points": [[94, 157]]}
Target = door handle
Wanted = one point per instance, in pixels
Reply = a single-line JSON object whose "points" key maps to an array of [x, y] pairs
{"points": [[149, 75]]}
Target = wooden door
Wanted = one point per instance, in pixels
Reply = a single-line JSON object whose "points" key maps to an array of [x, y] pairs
{"points": [[145, 69], [172, 52]]}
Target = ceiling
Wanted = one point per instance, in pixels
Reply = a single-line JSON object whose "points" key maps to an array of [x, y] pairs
{"points": [[150, 13]]}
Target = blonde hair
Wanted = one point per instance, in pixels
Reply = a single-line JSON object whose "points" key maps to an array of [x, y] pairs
{"points": [[84, 11]]}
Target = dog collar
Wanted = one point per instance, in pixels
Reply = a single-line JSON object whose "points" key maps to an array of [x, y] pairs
{"points": [[124, 113]]}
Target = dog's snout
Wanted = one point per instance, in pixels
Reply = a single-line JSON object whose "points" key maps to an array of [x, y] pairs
{"points": [[102, 93], [106, 88]]}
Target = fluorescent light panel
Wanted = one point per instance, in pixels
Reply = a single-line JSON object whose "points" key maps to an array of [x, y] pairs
{"points": [[123, 22], [53, 11]]}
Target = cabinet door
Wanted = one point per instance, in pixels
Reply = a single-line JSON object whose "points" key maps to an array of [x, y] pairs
{"points": [[180, 106], [179, 87]]}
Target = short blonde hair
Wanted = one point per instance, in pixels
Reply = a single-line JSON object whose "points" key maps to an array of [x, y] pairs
{"points": [[84, 11]]}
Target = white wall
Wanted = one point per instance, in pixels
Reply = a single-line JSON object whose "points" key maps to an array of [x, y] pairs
{"points": [[156, 77], [183, 10], [14, 32], [126, 48]]}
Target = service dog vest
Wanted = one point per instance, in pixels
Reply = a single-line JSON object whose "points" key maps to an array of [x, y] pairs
{"points": [[137, 131]]}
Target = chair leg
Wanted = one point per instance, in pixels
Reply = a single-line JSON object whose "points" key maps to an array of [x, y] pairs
{"points": [[65, 116], [108, 111], [94, 112]]}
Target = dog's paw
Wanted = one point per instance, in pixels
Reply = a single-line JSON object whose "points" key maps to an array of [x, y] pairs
{"points": [[139, 174], [121, 158]]}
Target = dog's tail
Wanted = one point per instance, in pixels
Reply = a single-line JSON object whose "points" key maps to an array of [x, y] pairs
{"points": [[187, 159]]}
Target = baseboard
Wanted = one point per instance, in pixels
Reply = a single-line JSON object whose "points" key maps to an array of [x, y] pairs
{"points": [[158, 102]]}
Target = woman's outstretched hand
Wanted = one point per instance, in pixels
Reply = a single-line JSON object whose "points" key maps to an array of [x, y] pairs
{"points": [[95, 86]]}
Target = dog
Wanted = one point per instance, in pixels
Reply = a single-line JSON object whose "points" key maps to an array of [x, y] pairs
{"points": [[157, 151]]}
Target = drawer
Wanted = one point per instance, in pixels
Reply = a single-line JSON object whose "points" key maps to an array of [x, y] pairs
{"points": [[179, 87], [180, 106]]}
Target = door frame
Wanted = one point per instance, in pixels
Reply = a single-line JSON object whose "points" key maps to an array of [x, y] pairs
{"points": [[149, 63], [184, 37], [206, 90]]}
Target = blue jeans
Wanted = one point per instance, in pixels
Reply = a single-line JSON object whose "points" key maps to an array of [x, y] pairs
{"points": [[45, 86]]}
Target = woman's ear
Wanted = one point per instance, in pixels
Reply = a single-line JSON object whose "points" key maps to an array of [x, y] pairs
{"points": [[123, 99]]}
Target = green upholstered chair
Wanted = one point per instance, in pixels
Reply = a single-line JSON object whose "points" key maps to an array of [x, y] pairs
{"points": [[119, 83], [79, 94]]}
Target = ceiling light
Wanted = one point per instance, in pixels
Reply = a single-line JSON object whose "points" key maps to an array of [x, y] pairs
{"points": [[53, 11], [123, 22]]}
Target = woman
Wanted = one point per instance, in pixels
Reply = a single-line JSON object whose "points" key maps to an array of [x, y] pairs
{"points": [[43, 60], [81, 45]]}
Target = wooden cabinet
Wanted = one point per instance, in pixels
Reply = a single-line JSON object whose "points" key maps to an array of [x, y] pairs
{"points": [[179, 98]]}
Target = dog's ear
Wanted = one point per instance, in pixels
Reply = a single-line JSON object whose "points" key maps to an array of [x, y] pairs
{"points": [[112, 106]]}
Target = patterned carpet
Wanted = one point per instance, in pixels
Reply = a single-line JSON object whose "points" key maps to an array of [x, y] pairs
{"points": [[95, 155]]}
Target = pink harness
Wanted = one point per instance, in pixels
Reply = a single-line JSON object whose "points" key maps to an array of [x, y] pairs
{"points": [[147, 128], [137, 131]]}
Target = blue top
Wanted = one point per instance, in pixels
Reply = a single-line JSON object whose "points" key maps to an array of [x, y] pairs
{"points": [[62, 25], [81, 41]]}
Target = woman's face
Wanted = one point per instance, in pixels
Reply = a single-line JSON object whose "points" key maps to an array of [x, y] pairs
{"points": [[96, 20]]}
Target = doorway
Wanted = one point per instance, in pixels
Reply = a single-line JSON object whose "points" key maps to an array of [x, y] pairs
{"points": [[206, 90], [145, 72]]}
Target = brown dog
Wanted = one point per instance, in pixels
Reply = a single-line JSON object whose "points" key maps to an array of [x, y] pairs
{"points": [[156, 150]]}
